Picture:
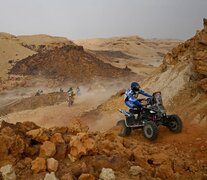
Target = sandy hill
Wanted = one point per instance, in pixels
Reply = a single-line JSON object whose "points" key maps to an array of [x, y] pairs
{"points": [[181, 78], [14, 48], [127, 52], [11, 50], [143, 50], [68, 63], [43, 42]]}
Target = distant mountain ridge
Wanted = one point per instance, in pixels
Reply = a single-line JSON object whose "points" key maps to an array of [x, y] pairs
{"points": [[147, 51]]}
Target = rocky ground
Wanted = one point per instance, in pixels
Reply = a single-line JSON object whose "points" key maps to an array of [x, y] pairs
{"points": [[73, 153]]}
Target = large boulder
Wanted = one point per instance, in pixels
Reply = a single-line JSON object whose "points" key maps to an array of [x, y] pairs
{"points": [[38, 165], [39, 135], [107, 174], [52, 165], [47, 149]]}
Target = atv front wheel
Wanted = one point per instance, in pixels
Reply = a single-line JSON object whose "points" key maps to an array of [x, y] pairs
{"points": [[175, 124], [125, 131], [150, 130]]}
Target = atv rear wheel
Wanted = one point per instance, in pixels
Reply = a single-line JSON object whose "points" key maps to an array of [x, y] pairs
{"points": [[150, 130], [125, 131], [175, 124]]}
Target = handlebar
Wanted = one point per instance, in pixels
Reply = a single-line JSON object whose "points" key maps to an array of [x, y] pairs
{"points": [[142, 99], [147, 100]]}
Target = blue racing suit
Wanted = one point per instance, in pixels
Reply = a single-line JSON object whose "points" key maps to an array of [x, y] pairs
{"points": [[131, 98]]}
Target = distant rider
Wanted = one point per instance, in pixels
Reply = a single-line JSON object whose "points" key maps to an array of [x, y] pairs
{"points": [[39, 92], [70, 92], [71, 95], [78, 91], [131, 96]]}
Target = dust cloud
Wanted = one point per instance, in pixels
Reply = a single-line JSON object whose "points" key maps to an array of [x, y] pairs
{"points": [[91, 96]]}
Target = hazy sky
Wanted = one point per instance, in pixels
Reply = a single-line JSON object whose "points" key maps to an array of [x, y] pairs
{"points": [[80, 19]]}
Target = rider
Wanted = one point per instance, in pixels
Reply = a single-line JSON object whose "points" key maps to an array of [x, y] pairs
{"points": [[39, 92], [70, 92], [131, 96]]}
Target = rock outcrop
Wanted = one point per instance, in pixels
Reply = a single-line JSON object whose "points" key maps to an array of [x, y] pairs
{"points": [[61, 64], [194, 50]]}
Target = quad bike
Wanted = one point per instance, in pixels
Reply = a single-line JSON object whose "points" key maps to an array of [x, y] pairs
{"points": [[149, 117], [70, 101]]}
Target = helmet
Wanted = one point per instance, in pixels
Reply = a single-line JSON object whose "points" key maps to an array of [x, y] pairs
{"points": [[135, 86]]}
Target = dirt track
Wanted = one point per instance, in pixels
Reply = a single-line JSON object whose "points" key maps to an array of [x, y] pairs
{"points": [[59, 114]]}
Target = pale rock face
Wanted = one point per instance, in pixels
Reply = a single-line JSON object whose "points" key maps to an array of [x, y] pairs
{"points": [[8, 172], [52, 165], [107, 174], [38, 134], [48, 149], [50, 176], [136, 170], [39, 165]]}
